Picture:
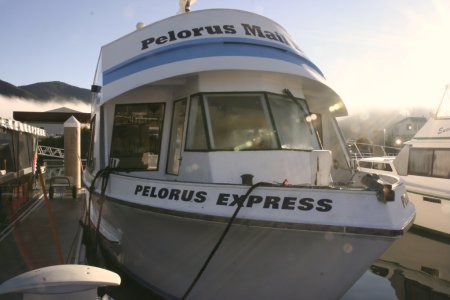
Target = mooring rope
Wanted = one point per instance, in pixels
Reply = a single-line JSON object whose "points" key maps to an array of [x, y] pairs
{"points": [[222, 237]]}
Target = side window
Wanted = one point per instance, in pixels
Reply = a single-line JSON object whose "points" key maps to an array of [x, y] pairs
{"points": [[441, 163], [176, 137], [24, 151], [420, 162], [90, 155], [136, 139], [365, 164], [196, 136], [429, 162], [6, 151]]}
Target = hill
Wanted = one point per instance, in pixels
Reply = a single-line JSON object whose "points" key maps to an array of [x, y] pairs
{"points": [[45, 91], [9, 90]]}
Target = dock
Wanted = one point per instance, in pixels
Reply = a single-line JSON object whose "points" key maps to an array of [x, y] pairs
{"points": [[28, 243]]}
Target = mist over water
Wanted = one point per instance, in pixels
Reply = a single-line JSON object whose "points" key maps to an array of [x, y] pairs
{"points": [[10, 104]]}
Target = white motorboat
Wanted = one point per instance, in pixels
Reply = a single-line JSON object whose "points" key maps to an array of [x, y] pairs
{"points": [[381, 165], [424, 165], [217, 169], [18, 163]]}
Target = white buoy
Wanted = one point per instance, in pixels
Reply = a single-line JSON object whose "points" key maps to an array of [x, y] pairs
{"points": [[67, 282]]}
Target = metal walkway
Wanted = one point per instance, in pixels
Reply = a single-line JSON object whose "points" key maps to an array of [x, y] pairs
{"points": [[50, 151]]}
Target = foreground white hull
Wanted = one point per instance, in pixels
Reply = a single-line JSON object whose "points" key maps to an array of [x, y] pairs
{"points": [[167, 252], [269, 252]]}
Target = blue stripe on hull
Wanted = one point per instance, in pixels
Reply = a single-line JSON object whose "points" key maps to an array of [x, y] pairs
{"points": [[205, 48]]}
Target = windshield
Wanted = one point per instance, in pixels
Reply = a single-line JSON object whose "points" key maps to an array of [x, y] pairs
{"points": [[249, 121]]}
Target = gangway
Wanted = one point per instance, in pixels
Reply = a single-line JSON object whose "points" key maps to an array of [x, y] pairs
{"points": [[50, 151]]}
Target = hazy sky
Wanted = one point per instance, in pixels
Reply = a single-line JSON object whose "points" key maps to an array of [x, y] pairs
{"points": [[374, 53]]}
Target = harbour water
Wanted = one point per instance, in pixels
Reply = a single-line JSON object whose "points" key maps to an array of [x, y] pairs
{"points": [[416, 266]]}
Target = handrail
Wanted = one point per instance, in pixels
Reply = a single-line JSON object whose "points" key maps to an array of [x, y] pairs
{"points": [[50, 151], [358, 150]]}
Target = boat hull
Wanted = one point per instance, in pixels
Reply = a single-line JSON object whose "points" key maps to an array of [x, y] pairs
{"points": [[166, 252], [285, 251], [432, 205]]}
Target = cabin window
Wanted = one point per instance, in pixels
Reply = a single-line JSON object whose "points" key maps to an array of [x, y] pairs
{"points": [[383, 167], [441, 163], [176, 137], [248, 121], [239, 122], [136, 139], [6, 151], [429, 162], [420, 162], [24, 151], [196, 137], [290, 120], [365, 164]]}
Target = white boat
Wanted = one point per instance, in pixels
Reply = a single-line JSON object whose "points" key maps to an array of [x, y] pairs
{"points": [[216, 168], [18, 163], [424, 165], [381, 165]]}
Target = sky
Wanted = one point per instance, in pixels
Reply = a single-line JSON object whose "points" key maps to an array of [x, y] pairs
{"points": [[374, 53]]}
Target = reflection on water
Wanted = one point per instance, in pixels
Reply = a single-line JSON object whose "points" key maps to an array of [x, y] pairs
{"points": [[416, 266]]}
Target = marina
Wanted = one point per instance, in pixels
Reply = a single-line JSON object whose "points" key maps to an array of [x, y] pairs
{"points": [[215, 147], [216, 169], [424, 165], [30, 246]]}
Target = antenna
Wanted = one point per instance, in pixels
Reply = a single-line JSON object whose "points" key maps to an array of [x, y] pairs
{"points": [[185, 6]]}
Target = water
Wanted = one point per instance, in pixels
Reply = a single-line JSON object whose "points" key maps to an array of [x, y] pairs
{"points": [[417, 266]]}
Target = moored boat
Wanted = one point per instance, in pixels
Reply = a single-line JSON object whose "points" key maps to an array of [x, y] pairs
{"points": [[424, 165], [18, 158], [217, 169]]}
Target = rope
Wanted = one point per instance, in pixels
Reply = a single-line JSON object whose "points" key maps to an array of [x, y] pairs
{"points": [[104, 173], [91, 190], [105, 179], [222, 237], [51, 219]]}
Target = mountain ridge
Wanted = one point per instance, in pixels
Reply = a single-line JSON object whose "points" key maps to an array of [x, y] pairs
{"points": [[45, 91]]}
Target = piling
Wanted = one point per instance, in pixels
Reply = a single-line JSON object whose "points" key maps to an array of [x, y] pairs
{"points": [[72, 149]]}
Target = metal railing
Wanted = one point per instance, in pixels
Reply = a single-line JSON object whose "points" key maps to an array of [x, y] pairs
{"points": [[50, 151], [361, 150]]}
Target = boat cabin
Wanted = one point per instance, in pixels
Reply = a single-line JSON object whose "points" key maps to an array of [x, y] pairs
{"points": [[175, 111]]}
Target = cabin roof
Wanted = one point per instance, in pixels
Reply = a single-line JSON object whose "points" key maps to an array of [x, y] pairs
{"points": [[53, 116]]}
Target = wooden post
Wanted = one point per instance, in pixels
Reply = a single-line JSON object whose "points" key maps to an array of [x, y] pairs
{"points": [[72, 145]]}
